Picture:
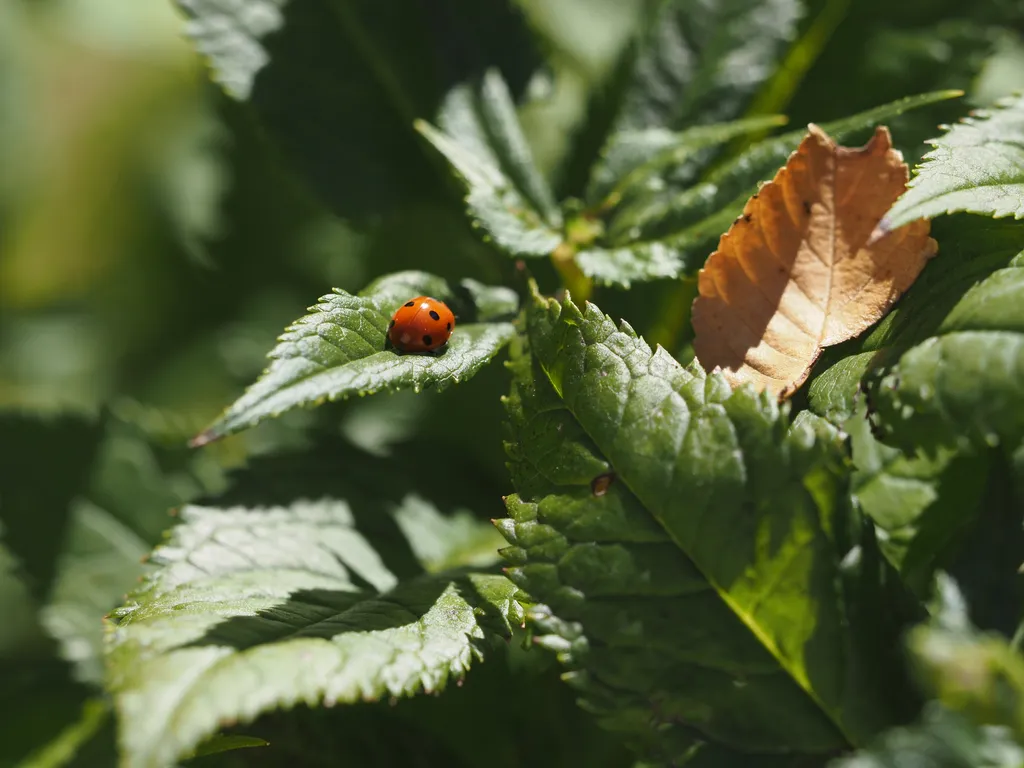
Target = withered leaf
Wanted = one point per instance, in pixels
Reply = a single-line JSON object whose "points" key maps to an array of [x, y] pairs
{"points": [[799, 270]]}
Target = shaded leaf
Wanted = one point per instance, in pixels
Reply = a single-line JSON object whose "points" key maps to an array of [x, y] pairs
{"points": [[46, 465], [653, 158], [971, 248], [506, 195], [226, 743], [339, 84], [975, 673], [669, 231], [256, 609], [799, 270], [942, 739], [700, 61], [977, 166], [754, 504], [963, 387], [339, 350]]}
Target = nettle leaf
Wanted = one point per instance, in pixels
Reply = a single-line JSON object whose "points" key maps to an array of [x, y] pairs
{"points": [[701, 60], [339, 84], [656, 653], [668, 230], [507, 197], [753, 510], [977, 166], [338, 350], [649, 159], [254, 609]]}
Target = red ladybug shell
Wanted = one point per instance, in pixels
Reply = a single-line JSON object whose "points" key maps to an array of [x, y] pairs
{"points": [[422, 324]]}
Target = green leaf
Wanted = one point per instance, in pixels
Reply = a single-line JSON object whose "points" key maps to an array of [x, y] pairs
{"points": [[339, 83], [654, 157], [46, 465], [226, 743], [338, 350], [667, 232], [701, 62], [975, 673], [256, 609], [963, 386], [506, 195], [925, 485], [970, 249], [977, 166], [755, 505], [658, 656], [941, 739]]}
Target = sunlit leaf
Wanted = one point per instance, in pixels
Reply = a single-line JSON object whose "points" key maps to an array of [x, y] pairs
{"points": [[339, 349]]}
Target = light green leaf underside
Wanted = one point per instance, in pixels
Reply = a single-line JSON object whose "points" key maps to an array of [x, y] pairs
{"points": [[656, 653], [256, 609], [977, 166], [754, 504], [507, 198], [668, 230], [339, 349]]}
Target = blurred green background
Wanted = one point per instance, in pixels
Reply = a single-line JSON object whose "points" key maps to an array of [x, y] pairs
{"points": [[152, 246]]}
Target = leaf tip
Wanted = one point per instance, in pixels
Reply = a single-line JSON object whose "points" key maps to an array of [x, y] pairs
{"points": [[205, 437]]}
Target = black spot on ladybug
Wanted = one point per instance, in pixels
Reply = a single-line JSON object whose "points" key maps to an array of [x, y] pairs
{"points": [[807, 208], [409, 303], [599, 485], [427, 340], [434, 315], [449, 326]]}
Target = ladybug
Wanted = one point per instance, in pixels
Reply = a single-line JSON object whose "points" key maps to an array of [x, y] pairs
{"points": [[423, 324]]}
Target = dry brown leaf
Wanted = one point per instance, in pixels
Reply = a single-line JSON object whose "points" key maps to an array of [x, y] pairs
{"points": [[796, 273]]}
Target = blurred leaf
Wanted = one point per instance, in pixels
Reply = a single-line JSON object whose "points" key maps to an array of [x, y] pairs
{"points": [[701, 60], [941, 739], [340, 83], [339, 350], [977, 166], [46, 464], [81, 741], [648, 159], [298, 596], [667, 233], [977, 674], [226, 743], [507, 197]]}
